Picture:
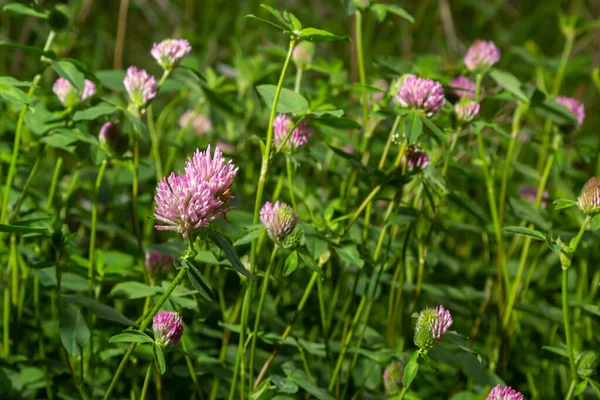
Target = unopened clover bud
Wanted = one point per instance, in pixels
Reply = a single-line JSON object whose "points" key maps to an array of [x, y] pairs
{"points": [[280, 221], [589, 199], [466, 109], [392, 378], [168, 329], [303, 54], [58, 19], [110, 135], [587, 363], [415, 159], [432, 325], [156, 262]]}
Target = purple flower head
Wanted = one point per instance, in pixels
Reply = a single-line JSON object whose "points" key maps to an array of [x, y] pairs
{"points": [[589, 199], [432, 325], [279, 219], [197, 123], [303, 54], [170, 52], [573, 105], [110, 134], [482, 54], [392, 378], [416, 160], [69, 96], [529, 193], [140, 86], [506, 393], [157, 262], [168, 329], [421, 94], [197, 198], [299, 138], [466, 109], [463, 87], [382, 84]]}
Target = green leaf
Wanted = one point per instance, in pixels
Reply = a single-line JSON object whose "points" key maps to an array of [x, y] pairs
{"points": [[279, 28], [510, 83], [310, 263], [557, 350], [560, 204], [249, 237], [22, 9], [380, 11], [296, 24], [111, 79], [133, 290], [277, 15], [224, 244], [284, 385], [299, 377], [70, 72], [342, 123], [289, 101], [580, 388], [435, 130], [596, 223], [30, 49], [137, 123], [320, 35], [74, 332], [101, 310], [198, 282], [520, 230], [159, 359], [13, 95], [410, 370], [131, 336], [350, 254], [291, 263], [22, 229], [413, 127], [60, 142], [94, 112]]}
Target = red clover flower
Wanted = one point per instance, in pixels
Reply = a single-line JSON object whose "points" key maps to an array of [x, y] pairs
{"points": [[140, 86], [589, 199], [168, 329], [170, 52], [421, 94], [506, 393], [463, 87], [416, 160], [298, 139], [482, 54], [197, 123], [156, 262], [69, 96], [110, 135], [573, 105], [280, 221], [466, 109], [432, 325]]}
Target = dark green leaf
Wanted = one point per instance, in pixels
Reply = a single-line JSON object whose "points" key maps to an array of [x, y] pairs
{"points": [[30, 49], [13, 95], [291, 263], [310, 263], [101, 310], [133, 290], [198, 282], [70, 72], [410, 370], [510, 83], [74, 332], [520, 230], [159, 359], [22, 9], [319, 35], [289, 101], [596, 223], [350, 254], [380, 11], [94, 112], [435, 130], [131, 336], [249, 237], [224, 244], [299, 377], [22, 229], [563, 203], [413, 127]]}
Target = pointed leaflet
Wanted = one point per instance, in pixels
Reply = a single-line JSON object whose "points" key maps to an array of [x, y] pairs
{"points": [[224, 244], [74, 332], [159, 359]]}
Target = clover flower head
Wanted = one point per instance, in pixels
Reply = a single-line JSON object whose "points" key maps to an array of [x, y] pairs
{"points": [[140, 86], [573, 105], [529, 193], [303, 54], [504, 393], [463, 87], [156, 262], [168, 329], [279, 219], [589, 199], [431, 327], [193, 200], [299, 137], [416, 160], [110, 134], [466, 109], [198, 123], [392, 378], [481, 54], [170, 52], [382, 84], [69, 96], [421, 94]]}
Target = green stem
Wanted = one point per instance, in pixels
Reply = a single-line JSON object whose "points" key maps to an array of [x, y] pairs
{"points": [[261, 303], [32, 173], [146, 381], [451, 150], [361, 208], [290, 177], [53, 183], [145, 323], [298, 80], [92, 250], [258, 203], [155, 143], [478, 80], [190, 366], [12, 169], [362, 76], [388, 144]]}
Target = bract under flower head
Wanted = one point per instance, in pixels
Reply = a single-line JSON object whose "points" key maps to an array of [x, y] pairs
{"points": [[573, 105], [299, 137], [140, 86], [589, 199], [481, 54], [431, 327], [168, 329], [504, 393], [463, 87], [279, 219], [421, 94], [170, 52], [193, 200], [466, 109], [69, 96]]}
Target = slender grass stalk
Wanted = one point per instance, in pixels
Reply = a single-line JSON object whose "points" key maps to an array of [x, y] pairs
{"points": [[363, 78], [145, 323], [261, 303], [53, 183], [154, 143], [390, 139], [190, 366], [12, 169], [257, 205], [92, 250], [451, 149], [298, 81], [290, 178], [146, 381], [23, 194]]}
